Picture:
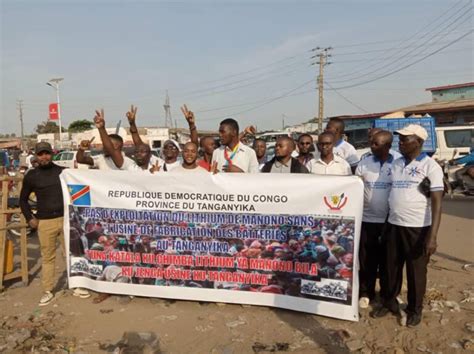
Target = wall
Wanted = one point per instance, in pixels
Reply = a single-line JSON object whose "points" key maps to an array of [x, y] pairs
{"points": [[462, 93]]}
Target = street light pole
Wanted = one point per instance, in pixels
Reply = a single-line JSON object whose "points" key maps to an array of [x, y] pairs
{"points": [[54, 83]]}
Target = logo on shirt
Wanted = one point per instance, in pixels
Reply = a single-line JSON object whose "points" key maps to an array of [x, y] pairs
{"points": [[80, 194], [414, 172], [335, 202]]}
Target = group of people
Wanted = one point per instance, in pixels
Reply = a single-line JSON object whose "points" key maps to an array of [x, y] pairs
{"points": [[402, 192]]}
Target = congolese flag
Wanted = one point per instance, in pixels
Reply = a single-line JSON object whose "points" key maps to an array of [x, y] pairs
{"points": [[80, 194]]}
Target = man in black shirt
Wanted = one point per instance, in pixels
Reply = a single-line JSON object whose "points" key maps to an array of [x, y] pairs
{"points": [[44, 182]]}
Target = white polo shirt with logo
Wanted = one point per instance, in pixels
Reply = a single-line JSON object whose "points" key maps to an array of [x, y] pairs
{"points": [[347, 152], [409, 207], [377, 184], [338, 166], [245, 158]]}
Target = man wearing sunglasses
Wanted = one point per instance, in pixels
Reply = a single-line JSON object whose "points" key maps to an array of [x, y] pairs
{"points": [[305, 148]]}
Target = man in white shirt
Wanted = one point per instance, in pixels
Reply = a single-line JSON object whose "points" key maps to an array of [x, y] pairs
{"points": [[189, 165], [341, 147], [413, 222], [113, 157], [142, 150], [171, 152], [375, 170], [144, 160], [328, 162], [232, 155]]}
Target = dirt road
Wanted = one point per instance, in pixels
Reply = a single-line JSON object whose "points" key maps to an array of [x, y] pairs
{"points": [[77, 325]]}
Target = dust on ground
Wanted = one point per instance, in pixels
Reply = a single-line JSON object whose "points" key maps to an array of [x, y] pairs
{"points": [[143, 325]]}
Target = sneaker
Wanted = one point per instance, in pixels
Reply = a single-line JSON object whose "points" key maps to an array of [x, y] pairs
{"points": [[46, 298], [364, 302], [82, 293]]}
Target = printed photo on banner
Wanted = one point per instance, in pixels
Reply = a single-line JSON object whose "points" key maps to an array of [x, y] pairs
{"points": [[306, 256]]}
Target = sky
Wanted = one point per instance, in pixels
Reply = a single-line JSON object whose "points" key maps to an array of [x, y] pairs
{"points": [[250, 60]]}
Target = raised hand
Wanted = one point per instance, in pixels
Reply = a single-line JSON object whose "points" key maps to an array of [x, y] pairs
{"points": [[99, 119], [250, 130], [189, 115], [132, 114], [155, 167], [86, 144]]}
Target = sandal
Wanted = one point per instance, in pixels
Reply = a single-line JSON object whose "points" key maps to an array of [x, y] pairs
{"points": [[101, 297]]}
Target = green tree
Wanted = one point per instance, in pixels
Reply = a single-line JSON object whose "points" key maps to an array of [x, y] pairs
{"points": [[48, 127], [80, 125]]}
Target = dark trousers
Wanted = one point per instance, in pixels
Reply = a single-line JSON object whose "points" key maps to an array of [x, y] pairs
{"points": [[370, 256], [404, 245]]}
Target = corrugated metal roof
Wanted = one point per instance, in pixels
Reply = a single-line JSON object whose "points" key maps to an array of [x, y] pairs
{"points": [[441, 106], [447, 87]]}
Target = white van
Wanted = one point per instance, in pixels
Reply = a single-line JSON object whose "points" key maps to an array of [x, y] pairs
{"points": [[454, 142]]}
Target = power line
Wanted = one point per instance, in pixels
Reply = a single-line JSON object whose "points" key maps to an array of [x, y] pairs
{"points": [[386, 58], [287, 94], [396, 60], [252, 83], [337, 54], [424, 27], [408, 65], [345, 98], [413, 36]]}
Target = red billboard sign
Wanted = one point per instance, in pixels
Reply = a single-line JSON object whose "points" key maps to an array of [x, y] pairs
{"points": [[53, 111]]}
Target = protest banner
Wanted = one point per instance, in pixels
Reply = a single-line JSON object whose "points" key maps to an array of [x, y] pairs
{"points": [[287, 241]]}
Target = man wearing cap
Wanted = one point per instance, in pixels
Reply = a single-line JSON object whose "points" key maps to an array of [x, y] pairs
{"points": [[328, 162], [375, 171], [44, 182], [413, 222], [232, 155], [341, 147]]}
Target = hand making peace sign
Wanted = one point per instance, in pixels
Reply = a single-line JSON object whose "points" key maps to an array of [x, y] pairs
{"points": [[189, 115], [132, 114]]}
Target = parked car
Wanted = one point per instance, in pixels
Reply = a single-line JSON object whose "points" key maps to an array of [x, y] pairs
{"points": [[68, 159], [454, 142]]}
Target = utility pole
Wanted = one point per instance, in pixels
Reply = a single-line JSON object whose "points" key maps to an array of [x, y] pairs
{"points": [[20, 113], [322, 55]]}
